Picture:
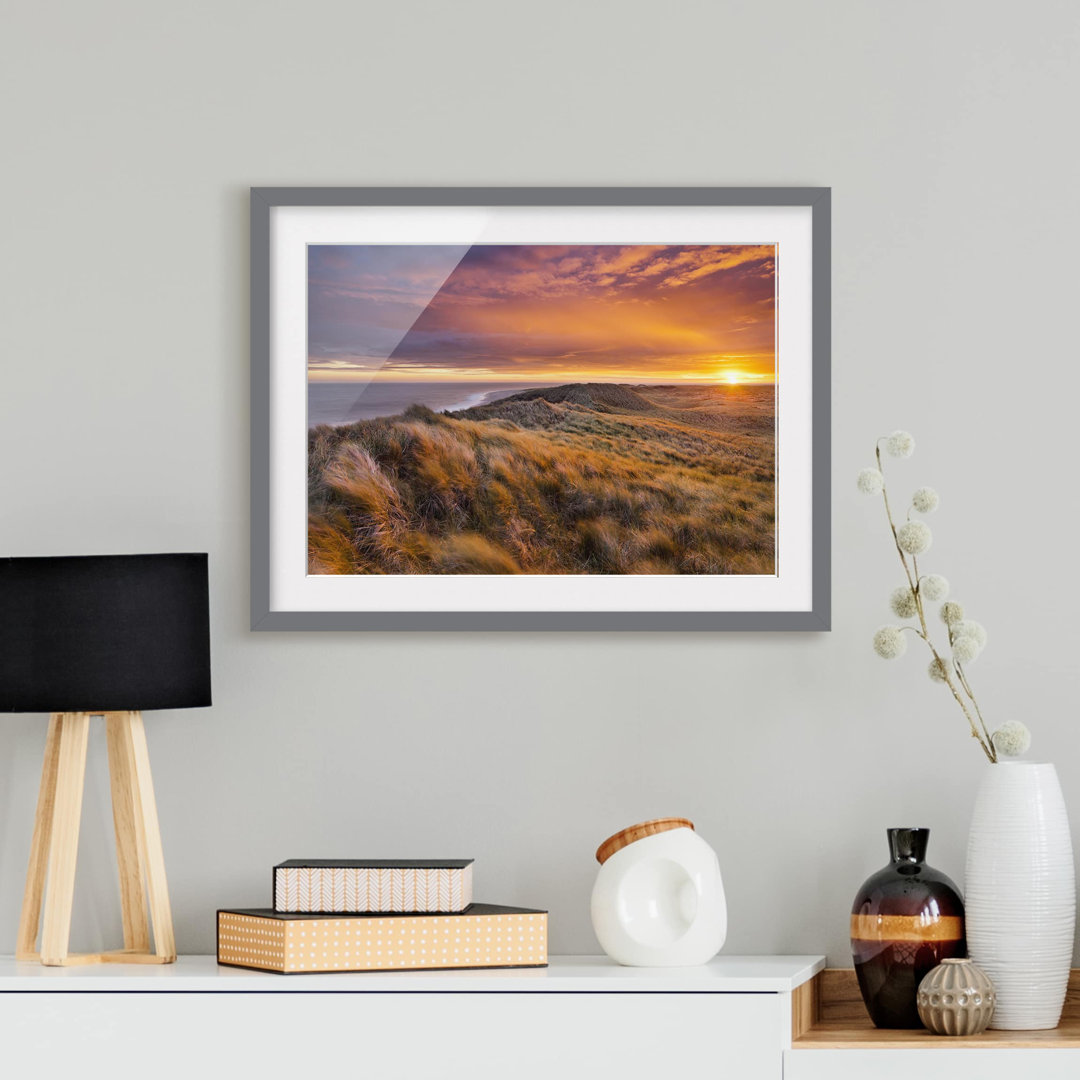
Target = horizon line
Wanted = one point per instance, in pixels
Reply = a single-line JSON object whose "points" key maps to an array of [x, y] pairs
{"points": [[566, 378]]}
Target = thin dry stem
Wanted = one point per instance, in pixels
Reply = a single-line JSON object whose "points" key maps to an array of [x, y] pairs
{"points": [[912, 574]]}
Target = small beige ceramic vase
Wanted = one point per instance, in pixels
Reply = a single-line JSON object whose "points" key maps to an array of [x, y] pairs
{"points": [[956, 998]]}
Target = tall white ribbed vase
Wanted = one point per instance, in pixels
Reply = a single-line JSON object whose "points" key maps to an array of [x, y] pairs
{"points": [[1020, 893]]}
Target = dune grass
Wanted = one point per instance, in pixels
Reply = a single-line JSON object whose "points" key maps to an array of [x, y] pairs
{"points": [[568, 480]]}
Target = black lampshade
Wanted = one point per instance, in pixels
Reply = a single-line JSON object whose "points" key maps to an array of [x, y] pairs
{"points": [[104, 633]]}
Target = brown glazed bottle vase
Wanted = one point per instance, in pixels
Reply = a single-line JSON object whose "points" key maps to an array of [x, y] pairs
{"points": [[906, 919]]}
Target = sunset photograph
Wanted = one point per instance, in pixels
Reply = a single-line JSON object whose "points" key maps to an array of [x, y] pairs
{"points": [[541, 409]]}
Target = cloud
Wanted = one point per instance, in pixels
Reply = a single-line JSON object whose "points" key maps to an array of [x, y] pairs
{"points": [[490, 272], [509, 308]]}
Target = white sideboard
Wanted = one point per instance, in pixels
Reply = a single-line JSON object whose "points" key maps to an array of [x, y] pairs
{"points": [[580, 1017], [736, 1018]]}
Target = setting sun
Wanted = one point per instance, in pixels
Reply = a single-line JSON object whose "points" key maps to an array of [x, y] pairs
{"points": [[732, 378]]}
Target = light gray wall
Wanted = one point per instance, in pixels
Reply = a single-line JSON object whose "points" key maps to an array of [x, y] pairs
{"points": [[132, 134]]}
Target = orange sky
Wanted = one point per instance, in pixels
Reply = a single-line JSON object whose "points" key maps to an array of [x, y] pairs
{"points": [[538, 313]]}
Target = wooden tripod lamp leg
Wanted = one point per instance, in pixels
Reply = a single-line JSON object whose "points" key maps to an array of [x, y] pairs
{"points": [[129, 848], [30, 919], [153, 856], [64, 845]]}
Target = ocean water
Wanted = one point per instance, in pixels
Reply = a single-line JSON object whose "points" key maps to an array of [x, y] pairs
{"points": [[345, 403]]}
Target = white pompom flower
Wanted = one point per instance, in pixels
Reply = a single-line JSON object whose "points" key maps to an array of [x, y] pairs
{"points": [[934, 587], [971, 628], [900, 444], [902, 602], [1012, 739], [925, 500], [965, 649], [951, 613], [914, 537], [938, 670], [889, 642], [871, 482]]}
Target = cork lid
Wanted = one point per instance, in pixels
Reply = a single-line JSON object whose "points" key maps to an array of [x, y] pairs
{"points": [[639, 832]]}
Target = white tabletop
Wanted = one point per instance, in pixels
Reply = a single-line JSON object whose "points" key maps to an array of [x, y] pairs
{"points": [[565, 974]]}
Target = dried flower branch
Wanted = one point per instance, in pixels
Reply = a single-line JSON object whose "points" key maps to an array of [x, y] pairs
{"points": [[967, 638]]}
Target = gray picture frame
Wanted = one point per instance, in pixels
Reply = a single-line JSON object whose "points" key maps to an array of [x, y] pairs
{"points": [[263, 617]]}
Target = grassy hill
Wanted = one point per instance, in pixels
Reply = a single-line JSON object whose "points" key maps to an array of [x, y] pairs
{"points": [[588, 478]]}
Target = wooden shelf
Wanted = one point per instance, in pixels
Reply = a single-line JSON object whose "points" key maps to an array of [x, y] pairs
{"points": [[828, 1014]]}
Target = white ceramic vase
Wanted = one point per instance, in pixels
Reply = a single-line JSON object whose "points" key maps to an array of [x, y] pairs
{"points": [[659, 901], [1021, 893]]}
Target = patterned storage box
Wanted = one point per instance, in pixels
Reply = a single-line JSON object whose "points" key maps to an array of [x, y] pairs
{"points": [[351, 886], [487, 935]]}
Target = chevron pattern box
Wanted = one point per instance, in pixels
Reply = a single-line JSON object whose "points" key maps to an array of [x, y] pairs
{"points": [[349, 886], [485, 936]]}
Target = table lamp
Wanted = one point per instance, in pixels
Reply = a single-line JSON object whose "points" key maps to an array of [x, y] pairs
{"points": [[100, 635]]}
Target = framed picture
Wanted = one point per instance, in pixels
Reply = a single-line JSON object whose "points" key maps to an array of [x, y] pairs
{"points": [[540, 408]]}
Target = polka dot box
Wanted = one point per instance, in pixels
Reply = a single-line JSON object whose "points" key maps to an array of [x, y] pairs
{"points": [[483, 936]]}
